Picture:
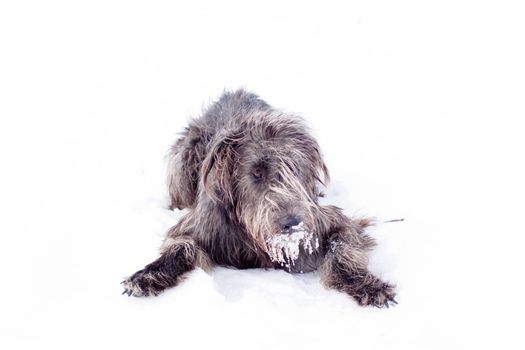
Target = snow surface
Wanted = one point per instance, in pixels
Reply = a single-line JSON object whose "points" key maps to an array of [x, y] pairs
{"points": [[418, 107]]}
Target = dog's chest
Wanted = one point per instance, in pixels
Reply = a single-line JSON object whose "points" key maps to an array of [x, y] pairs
{"points": [[230, 249], [226, 243]]}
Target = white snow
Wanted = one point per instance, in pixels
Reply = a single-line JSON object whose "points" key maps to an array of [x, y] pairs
{"points": [[418, 107], [284, 248]]}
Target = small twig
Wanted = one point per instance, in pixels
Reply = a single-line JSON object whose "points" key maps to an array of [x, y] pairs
{"points": [[394, 220]]}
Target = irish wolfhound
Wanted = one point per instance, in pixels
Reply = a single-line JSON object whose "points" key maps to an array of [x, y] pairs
{"points": [[250, 176]]}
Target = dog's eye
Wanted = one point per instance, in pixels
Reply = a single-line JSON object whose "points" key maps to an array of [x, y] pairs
{"points": [[257, 174]]}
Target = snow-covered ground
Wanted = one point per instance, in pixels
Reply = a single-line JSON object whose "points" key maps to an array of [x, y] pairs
{"points": [[418, 107]]}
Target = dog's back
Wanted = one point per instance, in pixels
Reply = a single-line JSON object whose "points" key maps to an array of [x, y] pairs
{"points": [[231, 105]]}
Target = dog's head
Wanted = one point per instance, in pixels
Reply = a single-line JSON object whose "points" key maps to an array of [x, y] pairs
{"points": [[267, 172]]}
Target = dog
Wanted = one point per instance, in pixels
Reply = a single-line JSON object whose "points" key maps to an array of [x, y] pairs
{"points": [[250, 177]]}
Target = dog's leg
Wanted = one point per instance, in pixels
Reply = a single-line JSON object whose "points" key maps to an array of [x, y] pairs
{"points": [[346, 263], [345, 269], [178, 256]]}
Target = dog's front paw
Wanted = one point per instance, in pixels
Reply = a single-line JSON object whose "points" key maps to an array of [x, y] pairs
{"points": [[379, 294], [142, 283]]}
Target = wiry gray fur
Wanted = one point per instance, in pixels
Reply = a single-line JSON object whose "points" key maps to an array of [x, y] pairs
{"points": [[248, 172]]}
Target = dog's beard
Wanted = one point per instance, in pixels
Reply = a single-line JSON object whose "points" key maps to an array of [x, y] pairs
{"points": [[285, 247]]}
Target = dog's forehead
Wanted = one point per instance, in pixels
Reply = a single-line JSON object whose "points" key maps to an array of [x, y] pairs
{"points": [[270, 151]]}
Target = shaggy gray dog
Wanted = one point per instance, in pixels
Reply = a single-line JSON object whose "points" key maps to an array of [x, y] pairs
{"points": [[250, 177]]}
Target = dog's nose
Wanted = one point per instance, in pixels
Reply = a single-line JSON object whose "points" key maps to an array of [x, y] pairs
{"points": [[289, 221]]}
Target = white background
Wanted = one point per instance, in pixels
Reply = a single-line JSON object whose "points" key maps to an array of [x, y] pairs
{"points": [[418, 107]]}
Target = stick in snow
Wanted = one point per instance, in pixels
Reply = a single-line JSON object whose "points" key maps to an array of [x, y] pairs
{"points": [[394, 220]]}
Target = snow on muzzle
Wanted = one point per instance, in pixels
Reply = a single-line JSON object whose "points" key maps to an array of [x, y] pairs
{"points": [[284, 248]]}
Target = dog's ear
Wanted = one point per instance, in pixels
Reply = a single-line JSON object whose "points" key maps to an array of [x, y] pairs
{"points": [[217, 168], [323, 176]]}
